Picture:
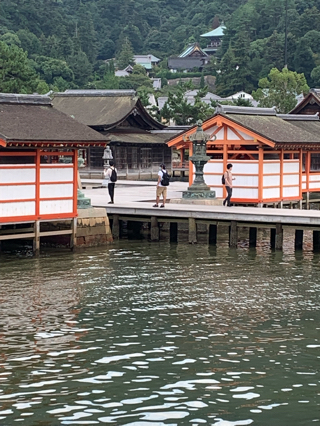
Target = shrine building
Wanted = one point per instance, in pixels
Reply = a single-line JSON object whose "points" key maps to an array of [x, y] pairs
{"points": [[275, 157], [39, 161]]}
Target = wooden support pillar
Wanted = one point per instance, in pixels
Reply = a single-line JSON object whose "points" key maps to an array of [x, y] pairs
{"points": [[233, 234], [298, 240], [155, 231], [173, 232], [116, 227], [213, 234], [192, 231], [316, 240], [36, 240], [276, 239], [73, 236], [308, 200], [252, 237]]}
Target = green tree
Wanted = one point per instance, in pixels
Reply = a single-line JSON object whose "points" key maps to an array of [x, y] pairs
{"points": [[81, 67], [16, 74], [125, 56], [280, 89], [181, 111]]}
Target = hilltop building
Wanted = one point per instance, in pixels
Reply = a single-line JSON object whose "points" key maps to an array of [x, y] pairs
{"points": [[214, 39], [193, 57]]}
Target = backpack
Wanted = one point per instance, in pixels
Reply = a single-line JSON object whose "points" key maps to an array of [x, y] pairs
{"points": [[165, 178], [113, 177], [223, 180]]}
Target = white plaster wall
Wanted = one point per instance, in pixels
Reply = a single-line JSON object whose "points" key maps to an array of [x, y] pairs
{"points": [[219, 191], [245, 167], [56, 206], [231, 135], [245, 136], [17, 175], [17, 209], [271, 167], [290, 166], [246, 181], [314, 177], [220, 134], [304, 186], [58, 190], [56, 174], [271, 180], [291, 180], [214, 166], [314, 185], [271, 193], [245, 193], [19, 192], [291, 191]]}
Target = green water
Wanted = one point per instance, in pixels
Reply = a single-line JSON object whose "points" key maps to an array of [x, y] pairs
{"points": [[159, 334]]}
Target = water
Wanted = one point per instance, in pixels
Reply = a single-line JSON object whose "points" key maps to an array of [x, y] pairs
{"points": [[159, 334]]}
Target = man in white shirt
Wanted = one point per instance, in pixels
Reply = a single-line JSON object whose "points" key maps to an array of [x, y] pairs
{"points": [[111, 183], [161, 190]]}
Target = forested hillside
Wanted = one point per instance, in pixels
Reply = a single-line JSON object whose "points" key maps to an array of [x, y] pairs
{"points": [[65, 42]]}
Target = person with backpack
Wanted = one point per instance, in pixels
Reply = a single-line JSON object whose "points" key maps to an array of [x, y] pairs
{"points": [[111, 176], [227, 181], [163, 182]]}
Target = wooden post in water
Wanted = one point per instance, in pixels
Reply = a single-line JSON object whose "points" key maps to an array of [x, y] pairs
{"points": [[298, 240], [279, 237], [155, 232], [173, 232], [252, 237], [213, 234], [116, 227], [316, 240], [192, 231], [73, 236], [36, 240], [233, 234]]}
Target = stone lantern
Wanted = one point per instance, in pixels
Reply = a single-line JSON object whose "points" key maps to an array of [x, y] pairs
{"points": [[107, 156], [199, 189]]}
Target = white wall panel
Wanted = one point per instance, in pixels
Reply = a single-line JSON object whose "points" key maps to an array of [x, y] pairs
{"points": [[314, 177], [220, 134], [304, 178], [290, 166], [314, 185], [214, 167], [231, 135], [271, 193], [246, 181], [17, 175], [291, 180], [245, 136], [271, 180], [271, 167], [292, 191], [17, 192], [56, 174], [53, 191], [245, 167], [214, 180], [56, 206], [211, 130], [304, 186], [17, 209], [247, 193]]}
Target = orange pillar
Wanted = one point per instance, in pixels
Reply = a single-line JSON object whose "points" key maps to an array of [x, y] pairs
{"points": [[37, 209], [281, 174], [190, 165], [75, 182], [260, 177]]}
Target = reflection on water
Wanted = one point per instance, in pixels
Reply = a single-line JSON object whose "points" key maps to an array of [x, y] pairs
{"points": [[159, 334]]}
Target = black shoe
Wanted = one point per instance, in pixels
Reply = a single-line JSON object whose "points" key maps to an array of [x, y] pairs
{"points": [[162, 205], [224, 203], [111, 202], [156, 205]]}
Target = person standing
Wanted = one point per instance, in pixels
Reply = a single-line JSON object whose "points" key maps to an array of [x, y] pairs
{"points": [[228, 183], [163, 182], [111, 177]]}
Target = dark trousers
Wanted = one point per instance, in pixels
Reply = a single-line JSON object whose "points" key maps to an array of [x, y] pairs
{"points": [[227, 200], [111, 190]]}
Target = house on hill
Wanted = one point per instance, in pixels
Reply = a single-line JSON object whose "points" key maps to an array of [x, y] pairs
{"points": [[137, 140], [193, 57], [275, 157], [214, 38]]}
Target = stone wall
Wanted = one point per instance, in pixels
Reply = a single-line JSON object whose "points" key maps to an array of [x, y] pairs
{"points": [[93, 228]]}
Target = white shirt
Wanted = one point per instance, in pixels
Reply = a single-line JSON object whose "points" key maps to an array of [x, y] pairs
{"points": [[107, 173], [160, 173]]}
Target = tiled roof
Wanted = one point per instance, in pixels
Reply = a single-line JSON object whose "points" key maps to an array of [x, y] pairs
{"points": [[218, 32]]}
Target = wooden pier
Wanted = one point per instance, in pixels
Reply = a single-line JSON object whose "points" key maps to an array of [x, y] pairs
{"points": [[276, 220]]}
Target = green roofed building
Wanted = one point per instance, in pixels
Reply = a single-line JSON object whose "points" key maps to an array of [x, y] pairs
{"points": [[215, 37]]}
